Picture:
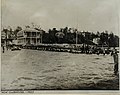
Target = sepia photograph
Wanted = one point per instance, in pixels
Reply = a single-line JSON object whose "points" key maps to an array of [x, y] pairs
{"points": [[51, 45]]}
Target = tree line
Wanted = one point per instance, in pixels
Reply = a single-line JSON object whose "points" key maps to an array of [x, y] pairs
{"points": [[67, 35]]}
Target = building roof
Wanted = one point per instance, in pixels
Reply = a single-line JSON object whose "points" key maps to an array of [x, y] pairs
{"points": [[30, 30]]}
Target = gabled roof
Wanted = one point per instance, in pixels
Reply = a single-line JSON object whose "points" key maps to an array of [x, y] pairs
{"points": [[30, 30]]}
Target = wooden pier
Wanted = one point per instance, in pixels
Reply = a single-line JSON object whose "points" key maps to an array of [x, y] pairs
{"points": [[45, 47]]}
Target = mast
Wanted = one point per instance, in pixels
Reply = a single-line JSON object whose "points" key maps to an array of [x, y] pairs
{"points": [[76, 38], [76, 28], [118, 17]]}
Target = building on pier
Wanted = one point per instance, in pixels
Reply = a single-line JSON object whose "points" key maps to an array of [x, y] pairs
{"points": [[29, 36]]}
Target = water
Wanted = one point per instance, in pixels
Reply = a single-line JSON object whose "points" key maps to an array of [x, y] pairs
{"points": [[33, 69]]}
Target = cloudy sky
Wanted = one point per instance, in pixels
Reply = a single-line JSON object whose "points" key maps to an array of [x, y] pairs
{"points": [[91, 15]]}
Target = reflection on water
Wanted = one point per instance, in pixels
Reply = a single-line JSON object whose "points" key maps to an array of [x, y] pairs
{"points": [[32, 69]]}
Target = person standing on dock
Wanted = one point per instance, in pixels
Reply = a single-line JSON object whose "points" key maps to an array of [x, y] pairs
{"points": [[115, 57]]}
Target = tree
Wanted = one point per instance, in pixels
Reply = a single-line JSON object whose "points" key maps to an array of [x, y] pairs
{"points": [[60, 36], [17, 30], [5, 30]]}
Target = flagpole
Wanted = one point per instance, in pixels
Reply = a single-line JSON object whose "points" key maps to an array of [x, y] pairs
{"points": [[77, 28]]}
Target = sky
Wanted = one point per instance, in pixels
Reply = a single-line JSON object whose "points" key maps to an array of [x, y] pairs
{"points": [[88, 15]]}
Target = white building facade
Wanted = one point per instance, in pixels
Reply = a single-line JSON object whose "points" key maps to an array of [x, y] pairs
{"points": [[29, 36]]}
